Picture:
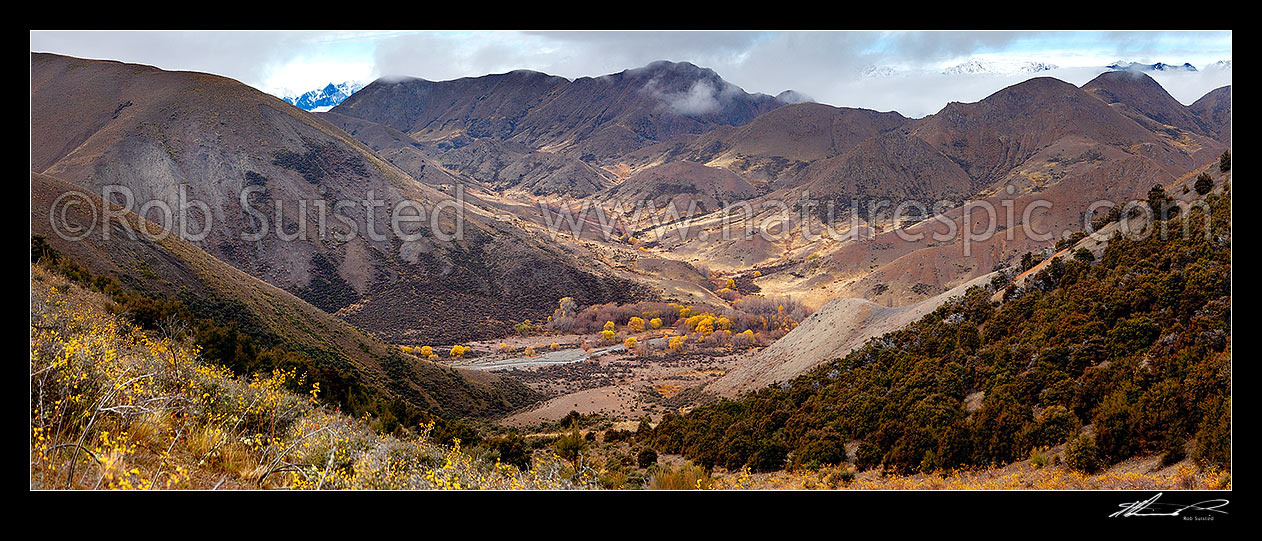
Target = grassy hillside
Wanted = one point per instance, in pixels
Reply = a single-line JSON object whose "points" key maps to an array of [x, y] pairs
{"points": [[1129, 355], [116, 407]]}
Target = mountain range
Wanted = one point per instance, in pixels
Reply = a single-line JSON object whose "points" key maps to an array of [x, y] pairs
{"points": [[515, 150]]}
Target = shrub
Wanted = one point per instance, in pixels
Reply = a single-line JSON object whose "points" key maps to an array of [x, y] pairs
{"points": [[675, 343], [822, 452], [1204, 184], [647, 457], [636, 324], [1213, 436], [1115, 427], [839, 478], [1173, 452], [867, 456], [1162, 205], [1038, 457], [1081, 454], [769, 456], [510, 449], [570, 446]]}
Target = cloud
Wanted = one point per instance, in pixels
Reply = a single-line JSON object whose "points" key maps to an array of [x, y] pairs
{"points": [[272, 61], [827, 65], [699, 99]]}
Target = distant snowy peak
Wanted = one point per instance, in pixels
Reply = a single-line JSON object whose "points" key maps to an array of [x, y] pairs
{"points": [[876, 72], [325, 98], [976, 67], [1159, 66], [1034, 67]]}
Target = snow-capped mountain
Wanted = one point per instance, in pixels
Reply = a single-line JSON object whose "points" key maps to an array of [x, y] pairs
{"points": [[1159, 66], [974, 67], [325, 98], [874, 72]]}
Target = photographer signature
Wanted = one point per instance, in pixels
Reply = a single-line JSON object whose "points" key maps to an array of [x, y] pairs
{"points": [[1151, 508]]}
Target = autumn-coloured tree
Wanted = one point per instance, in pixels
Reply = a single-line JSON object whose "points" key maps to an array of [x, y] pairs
{"points": [[675, 343], [630, 342], [458, 350], [609, 326], [655, 323], [607, 335], [427, 351], [705, 325], [636, 324]]}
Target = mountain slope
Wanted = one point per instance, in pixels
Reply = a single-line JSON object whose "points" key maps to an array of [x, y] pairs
{"points": [[155, 132], [893, 166], [991, 137], [603, 117], [168, 267], [775, 147], [682, 184], [1215, 109], [1126, 356], [1142, 97]]}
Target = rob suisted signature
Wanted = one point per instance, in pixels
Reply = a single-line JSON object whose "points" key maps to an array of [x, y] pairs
{"points": [[1152, 508]]}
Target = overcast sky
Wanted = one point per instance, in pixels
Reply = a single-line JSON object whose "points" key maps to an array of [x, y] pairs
{"points": [[900, 71]]}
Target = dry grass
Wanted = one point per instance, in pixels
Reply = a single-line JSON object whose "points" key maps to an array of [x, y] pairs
{"points": [[685, 477], [1019, 476], [113, 407]]}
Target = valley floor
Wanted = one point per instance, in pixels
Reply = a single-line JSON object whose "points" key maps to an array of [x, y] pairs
{"points": [[602, 379]]}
